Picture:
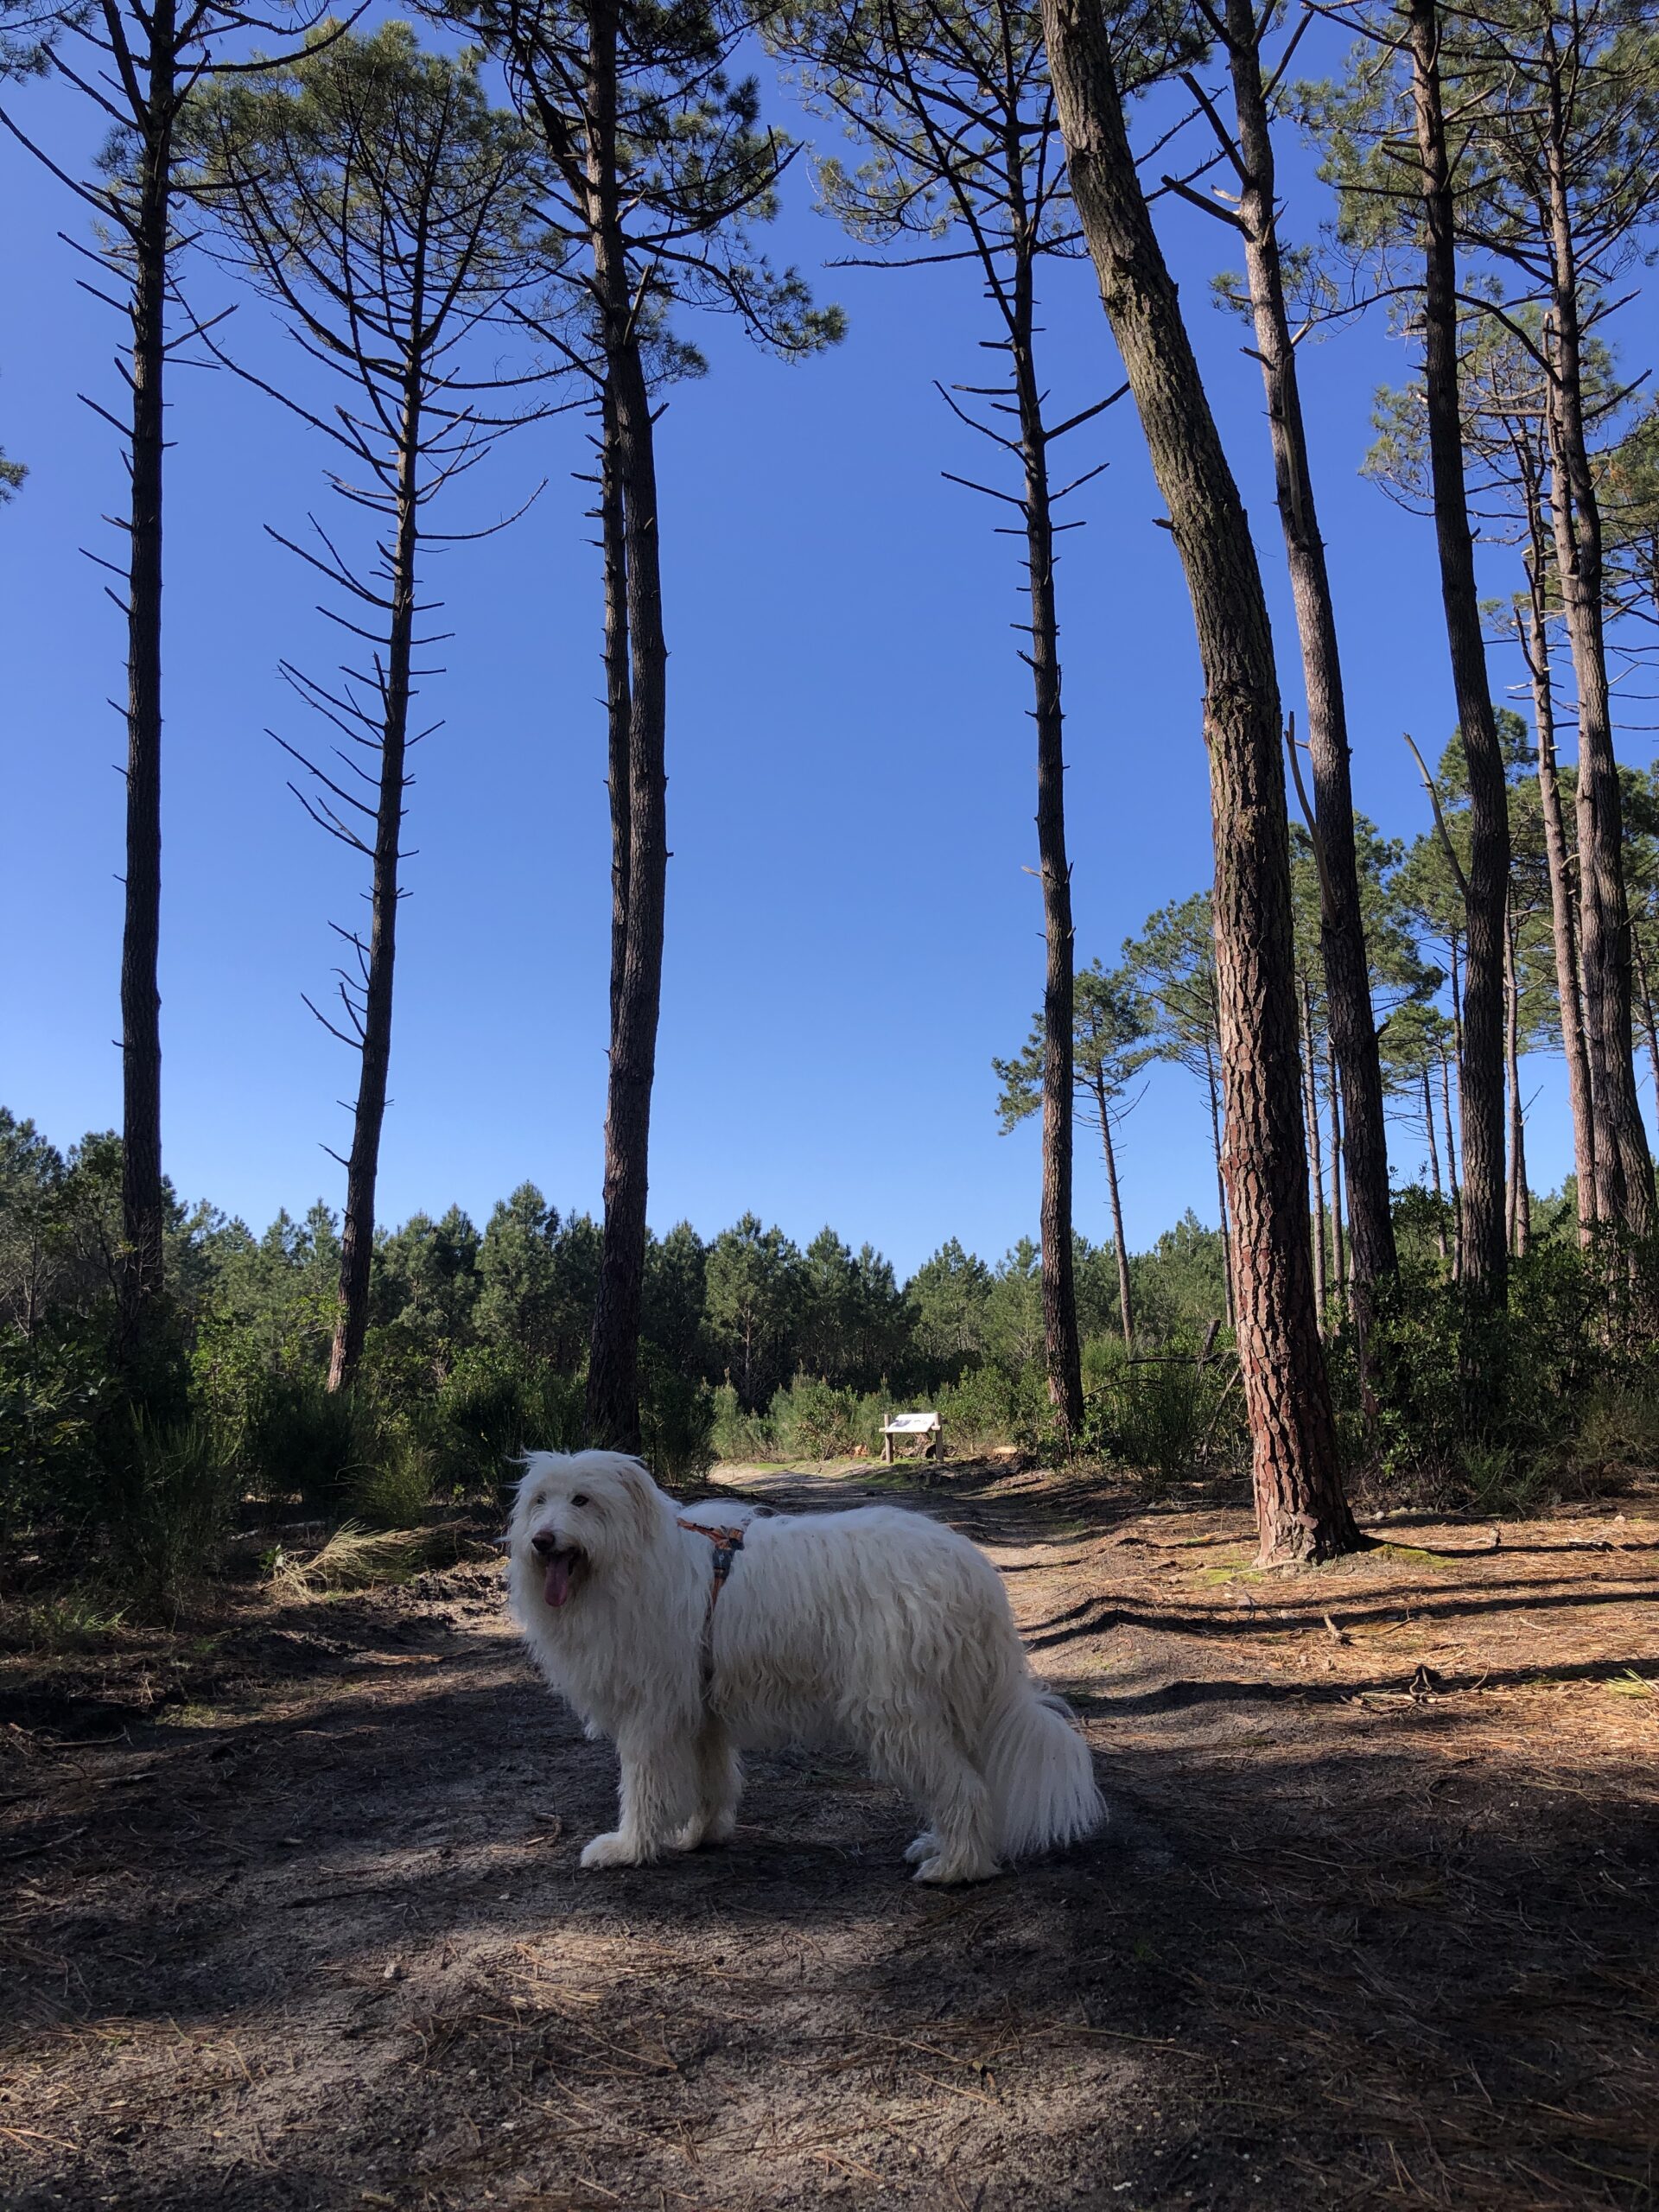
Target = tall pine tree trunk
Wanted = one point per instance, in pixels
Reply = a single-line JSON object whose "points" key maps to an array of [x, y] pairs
{"points": [[1644, 1001], [1338, 1250], [1452, 1170], [1563, 925], [1433, 1164], [1300, 1510], [1311, 1094], [1342, 933], [363, 1168], [1484, 1248], [142, 1203], [1625, 1193], [1062, 1352], [619, 698], [612, 1407], [1219, 1150], [1517, 1197], [1125, 1303]]}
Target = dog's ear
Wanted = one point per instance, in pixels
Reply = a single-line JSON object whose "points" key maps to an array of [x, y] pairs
{"points": [[641, 1494]]}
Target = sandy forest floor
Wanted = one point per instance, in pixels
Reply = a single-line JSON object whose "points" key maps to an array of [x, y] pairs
{"points": [[289, 1912]]}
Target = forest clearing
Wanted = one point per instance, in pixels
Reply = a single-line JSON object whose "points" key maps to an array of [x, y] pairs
{"points": [[293, 1917], [1329, 1508]]}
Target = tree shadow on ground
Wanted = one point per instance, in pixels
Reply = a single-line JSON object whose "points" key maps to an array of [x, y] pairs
{"points": [[322, 1942]]}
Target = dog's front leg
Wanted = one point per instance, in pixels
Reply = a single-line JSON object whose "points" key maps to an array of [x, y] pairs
{"points": [[657, 1796]]}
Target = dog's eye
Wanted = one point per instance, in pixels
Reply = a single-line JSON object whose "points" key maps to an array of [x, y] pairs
{"points": [[580, 1498], [541, 1498]]}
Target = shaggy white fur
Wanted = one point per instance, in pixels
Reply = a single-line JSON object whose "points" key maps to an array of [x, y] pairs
{"points": [[876, 1627]]}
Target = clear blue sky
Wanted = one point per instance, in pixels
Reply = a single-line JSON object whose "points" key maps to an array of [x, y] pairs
{"points": [[852, 933]]}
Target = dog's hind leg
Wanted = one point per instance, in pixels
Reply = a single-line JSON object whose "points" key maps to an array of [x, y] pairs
{"points": [[660, 1790], [925, 1763], [720, 1784]]}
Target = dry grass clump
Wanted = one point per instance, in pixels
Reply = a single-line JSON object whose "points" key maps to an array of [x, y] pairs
{"points": [[354, 1558]]}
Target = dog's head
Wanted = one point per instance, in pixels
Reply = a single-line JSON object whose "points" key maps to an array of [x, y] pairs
{"points": [[579, 1515]]}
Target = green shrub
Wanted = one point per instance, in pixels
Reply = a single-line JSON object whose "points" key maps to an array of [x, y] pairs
{"points": [[813, 1420], [678, 1417], [300, 1438], [1490, 1407], [172, 1502], [1162, 1415], [1618, 1427], [394, 1491], [58, 1394], [494, 1406], [993, 1405], [737, 1435]]}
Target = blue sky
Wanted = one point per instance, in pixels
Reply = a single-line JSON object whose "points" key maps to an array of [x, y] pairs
{"points": [[852, 931]]}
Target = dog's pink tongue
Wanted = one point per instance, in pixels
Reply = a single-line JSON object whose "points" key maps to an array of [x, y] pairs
{"points": [[556, 1588]]}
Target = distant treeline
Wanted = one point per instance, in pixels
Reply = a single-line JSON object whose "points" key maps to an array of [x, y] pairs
{"points": [[748, 1308]]}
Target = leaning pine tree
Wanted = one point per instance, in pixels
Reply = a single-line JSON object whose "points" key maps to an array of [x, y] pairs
{"points": [[371, 193], [1302, 1511]]}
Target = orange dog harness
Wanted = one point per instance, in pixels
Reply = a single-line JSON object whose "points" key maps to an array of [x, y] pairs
{"points": [[727, 1542]]}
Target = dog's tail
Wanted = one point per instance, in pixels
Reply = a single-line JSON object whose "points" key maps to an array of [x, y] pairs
{"points": [[1037, 1766]]}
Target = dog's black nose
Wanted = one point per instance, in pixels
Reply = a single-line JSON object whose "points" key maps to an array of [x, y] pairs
{"points": [[544, 1544]]}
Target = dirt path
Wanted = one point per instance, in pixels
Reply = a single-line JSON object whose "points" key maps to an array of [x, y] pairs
{"points": [[290, 1917]]}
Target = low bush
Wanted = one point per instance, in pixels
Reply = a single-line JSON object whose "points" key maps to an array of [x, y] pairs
{"points": [[1618, 1427], [173, 1499], [1462, 1405], [1163, 1414], [813, 1420], [993, 1405], [395, 1488], [678, 1420], [738, 1435], [58, 1394], [298, 1438], [491, 1408]]}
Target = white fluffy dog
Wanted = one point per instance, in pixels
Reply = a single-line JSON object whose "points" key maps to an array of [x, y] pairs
{"points": [[688, 1635]]}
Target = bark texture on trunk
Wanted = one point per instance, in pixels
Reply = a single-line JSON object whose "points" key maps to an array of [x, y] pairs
{"points": [[142, 1209], [363, 1167], [1485, 1248], [1300, 1508], [618, 699], [1342, 931], [613, 1404]]}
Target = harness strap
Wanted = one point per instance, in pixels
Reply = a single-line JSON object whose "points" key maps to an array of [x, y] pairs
{"points": [[727, 1542]]}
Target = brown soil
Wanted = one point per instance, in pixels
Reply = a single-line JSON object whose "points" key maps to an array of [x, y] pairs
{"points": [[290, 1914]]}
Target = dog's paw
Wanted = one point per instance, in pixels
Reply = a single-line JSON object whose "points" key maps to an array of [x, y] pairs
{"points": [[964, 1867], [705, 1831], [613, 1850], [926, 1846]]}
